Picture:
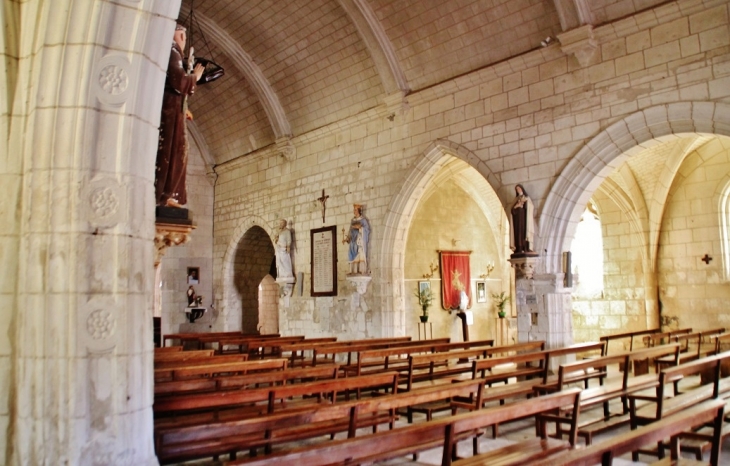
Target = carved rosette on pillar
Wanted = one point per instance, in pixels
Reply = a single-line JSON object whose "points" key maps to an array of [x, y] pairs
{"points": [[360, 284]]}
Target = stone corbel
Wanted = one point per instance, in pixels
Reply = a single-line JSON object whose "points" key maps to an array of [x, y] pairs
{"points": [[581, 43], [525, 266], [170, 234], [360, 283], [396, 104], [285, 147]]}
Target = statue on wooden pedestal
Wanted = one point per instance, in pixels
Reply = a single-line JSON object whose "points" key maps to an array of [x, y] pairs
{"points": [[172, 151]]}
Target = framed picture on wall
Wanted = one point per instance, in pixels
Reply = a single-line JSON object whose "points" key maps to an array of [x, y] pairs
{"points": [[481, 292], [193, 275], [424, 286]]}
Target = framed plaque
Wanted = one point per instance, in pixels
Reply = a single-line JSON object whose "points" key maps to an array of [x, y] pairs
{"points": [[324, 261]]}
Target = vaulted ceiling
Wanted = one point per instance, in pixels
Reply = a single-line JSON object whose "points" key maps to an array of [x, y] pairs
{"points": [[296, 65]]}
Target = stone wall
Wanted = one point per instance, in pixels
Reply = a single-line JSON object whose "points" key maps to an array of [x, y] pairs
{"points": [[692, 291], [520, 121], [197, 252]]}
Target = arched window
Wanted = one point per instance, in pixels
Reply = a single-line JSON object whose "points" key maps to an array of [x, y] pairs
{"points": [[587, 254], [725, 230]]}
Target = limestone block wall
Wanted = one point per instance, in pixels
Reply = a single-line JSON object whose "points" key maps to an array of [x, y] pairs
{"points": [[627, 301], [520, 121], [695, 292], [197, 252]]}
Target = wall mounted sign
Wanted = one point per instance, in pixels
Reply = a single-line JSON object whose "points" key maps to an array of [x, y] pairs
{"points": [[324, 261]]}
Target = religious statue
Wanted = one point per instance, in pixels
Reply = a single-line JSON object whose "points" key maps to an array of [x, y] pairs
{"points": [[358, 238], [172, 150], [191, 296], [282, 249], [523, 223]]}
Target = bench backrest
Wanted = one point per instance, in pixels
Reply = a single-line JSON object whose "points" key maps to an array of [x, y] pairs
{"points": [[604, 451], [574, 350], [270, 394], [517, 348], [243, 367], [569, 398], [331, 352], [201, 361], [388, 444], [630, 335], [480, 367], [182, 355]]}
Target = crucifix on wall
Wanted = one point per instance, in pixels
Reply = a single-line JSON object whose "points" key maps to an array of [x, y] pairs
{"points": [[323, 200]]}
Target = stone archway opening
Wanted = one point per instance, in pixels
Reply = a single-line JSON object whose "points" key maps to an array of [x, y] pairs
{"points": [[251, 264]]}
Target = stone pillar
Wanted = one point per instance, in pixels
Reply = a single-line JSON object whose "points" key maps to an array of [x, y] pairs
{"points": [[90, 80], [543, 305]]}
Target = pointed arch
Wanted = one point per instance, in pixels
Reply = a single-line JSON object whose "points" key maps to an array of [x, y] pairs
{"points": [[399, 215], [597, 159]]}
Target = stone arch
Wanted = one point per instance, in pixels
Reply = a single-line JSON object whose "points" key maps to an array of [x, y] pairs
{"points": [[596, 160], [391, 260], [254, 236]]}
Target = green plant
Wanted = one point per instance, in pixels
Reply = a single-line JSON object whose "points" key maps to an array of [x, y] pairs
{"points": [[424, 299], [501, 300]]}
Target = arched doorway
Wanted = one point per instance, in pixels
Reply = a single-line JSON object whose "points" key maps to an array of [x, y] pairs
{"points": [[251, 264]]}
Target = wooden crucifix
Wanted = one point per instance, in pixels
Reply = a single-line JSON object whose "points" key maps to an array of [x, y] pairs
{"points": [[323, 200]]}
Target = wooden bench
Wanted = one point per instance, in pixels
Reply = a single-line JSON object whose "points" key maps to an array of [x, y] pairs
{"points": [[441, 432], [275, 397], [198, 369], [580, 371], [177, 444], [378, 360], [199, 360], [344, 353], [168, 349], [194, 338], [607, 339], [178, 355], [711, 385], [604, 452], [297, 351]]}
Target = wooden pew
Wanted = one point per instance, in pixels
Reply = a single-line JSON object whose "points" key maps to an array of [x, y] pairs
{"points": [[379, 360], [630, 335], [195, 337], [168, 349], [199, 360], [711, 386], [253, 380], [243, 367], [275, 397], [182, 355], [296, 350], [604, 452], [330, 354], [176, 443], [419, 437]]}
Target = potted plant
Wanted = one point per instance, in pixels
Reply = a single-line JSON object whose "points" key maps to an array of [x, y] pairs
{"points": [[501, 300], [424, 300]]}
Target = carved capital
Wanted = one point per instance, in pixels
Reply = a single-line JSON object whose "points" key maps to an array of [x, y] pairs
{"points": [[285, 147], [170, 234], [581, 43], [525, 266], [396, 104]]}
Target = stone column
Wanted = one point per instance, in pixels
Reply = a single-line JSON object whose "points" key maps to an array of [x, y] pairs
{"points": [[543, 305], [90, 81]]}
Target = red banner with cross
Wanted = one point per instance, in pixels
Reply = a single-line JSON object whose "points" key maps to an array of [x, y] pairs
{"points": [[455, 276]]}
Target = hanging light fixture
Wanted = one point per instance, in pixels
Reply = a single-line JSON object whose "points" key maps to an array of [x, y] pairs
{"points": [[212, 70]]}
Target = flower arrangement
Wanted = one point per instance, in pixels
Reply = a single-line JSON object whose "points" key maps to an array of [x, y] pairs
{"points": [[424, 300], [501, 300]]}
